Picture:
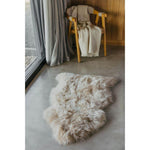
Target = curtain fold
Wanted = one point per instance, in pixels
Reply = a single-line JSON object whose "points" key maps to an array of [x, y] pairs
{"points": [[37, 13], [57, 47], [50, 28]]}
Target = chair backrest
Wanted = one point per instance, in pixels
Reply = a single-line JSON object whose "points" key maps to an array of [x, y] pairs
{"points": [[81, 12]]}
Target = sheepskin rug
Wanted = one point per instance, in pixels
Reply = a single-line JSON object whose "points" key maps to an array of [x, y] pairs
{"points": [[77, 104]]}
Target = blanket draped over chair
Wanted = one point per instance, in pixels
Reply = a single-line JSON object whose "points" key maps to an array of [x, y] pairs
{"points": [[89, 34]]}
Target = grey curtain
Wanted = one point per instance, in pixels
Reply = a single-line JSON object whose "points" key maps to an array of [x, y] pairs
{"points": [[37, 13], [51, 31]]}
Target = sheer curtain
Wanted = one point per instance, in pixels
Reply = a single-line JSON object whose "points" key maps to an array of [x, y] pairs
{"points": [[50, 29], [37, 13]]}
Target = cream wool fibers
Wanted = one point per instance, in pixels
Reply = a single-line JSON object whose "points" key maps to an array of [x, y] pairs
{"points": [[76, 106]]}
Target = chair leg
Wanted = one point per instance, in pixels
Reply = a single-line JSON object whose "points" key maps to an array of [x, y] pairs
{"points": [[105, 51], [70, 24], [77, 43], [103, 25]]}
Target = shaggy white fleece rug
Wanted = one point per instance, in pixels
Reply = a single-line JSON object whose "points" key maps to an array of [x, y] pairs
{"points": [[76, 106]]}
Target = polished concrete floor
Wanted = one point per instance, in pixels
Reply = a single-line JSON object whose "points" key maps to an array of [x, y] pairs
{"points": [[110, 137]]}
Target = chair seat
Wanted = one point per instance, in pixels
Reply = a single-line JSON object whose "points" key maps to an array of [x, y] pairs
{"points": [[73, 31]]}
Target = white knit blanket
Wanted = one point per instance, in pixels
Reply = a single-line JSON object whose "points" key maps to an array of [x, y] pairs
{"points": [[89, 40], [77, 104]]}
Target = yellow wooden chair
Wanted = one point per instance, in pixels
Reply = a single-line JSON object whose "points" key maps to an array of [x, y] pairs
{"points": [[75, 31]]}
